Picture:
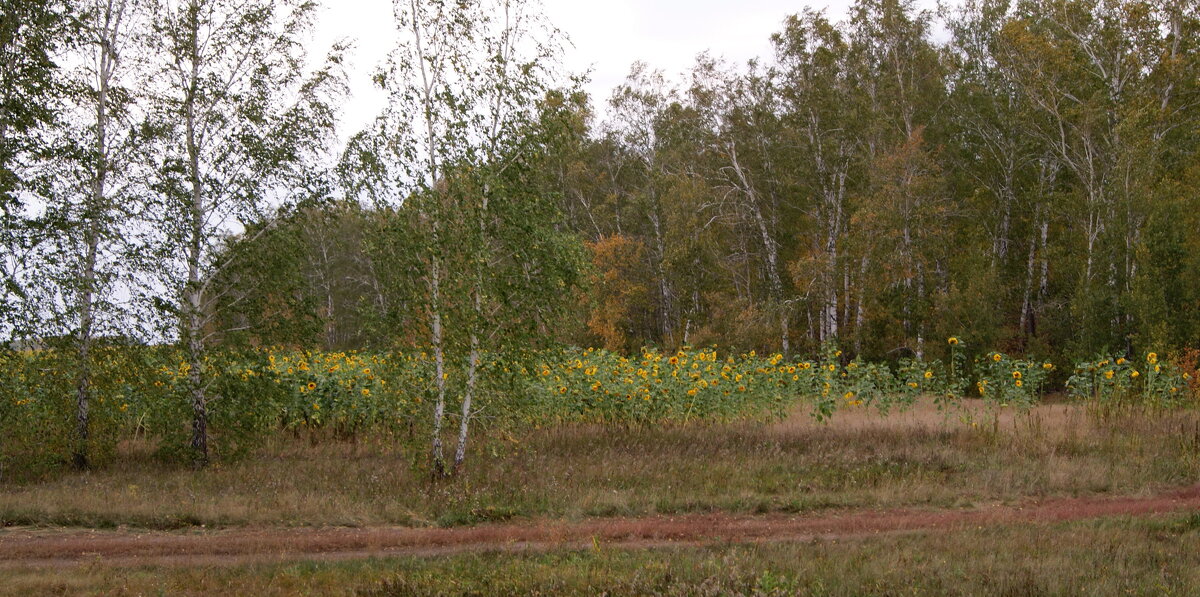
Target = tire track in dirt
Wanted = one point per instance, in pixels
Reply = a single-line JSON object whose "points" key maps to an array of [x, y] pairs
{"points": [[70, 547]]}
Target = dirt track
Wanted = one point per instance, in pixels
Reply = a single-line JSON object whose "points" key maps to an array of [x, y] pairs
{"points": [[67, 547]]}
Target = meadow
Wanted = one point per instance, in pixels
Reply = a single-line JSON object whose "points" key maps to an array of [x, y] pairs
{"points": [[141, 395], [1110, 557], [338, 440], [513, 328]]}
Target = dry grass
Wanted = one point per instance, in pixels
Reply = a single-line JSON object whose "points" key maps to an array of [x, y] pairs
{"points": [[915, 458], [1114, 557]]}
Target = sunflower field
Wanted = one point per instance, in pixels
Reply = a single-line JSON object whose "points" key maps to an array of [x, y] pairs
{"points": [[1109, 381], [141, 392]]}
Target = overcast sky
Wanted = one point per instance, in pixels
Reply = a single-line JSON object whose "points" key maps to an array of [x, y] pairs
{"points": [[607, 37]]}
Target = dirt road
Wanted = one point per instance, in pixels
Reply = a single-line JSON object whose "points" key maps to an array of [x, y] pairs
{"points": [[21, 547]]}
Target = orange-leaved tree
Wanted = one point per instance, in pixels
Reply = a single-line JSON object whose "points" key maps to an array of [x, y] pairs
{"points": [[618, 292]]}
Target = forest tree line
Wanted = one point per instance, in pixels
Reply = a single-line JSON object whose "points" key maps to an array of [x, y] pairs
{"points": [[1027, 183], [1022, 177]]}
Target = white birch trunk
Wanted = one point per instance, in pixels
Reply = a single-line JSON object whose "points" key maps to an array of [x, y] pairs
{"points": [[106, 64], [193, 299], [439, 364]]}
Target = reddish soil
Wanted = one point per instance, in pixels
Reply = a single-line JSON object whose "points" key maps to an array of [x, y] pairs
{"points": [[65, 547]]}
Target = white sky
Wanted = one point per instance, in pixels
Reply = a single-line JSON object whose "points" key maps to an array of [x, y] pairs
{"points": [[608, 36]]}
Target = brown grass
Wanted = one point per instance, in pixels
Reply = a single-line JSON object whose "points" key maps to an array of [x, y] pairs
{"points": [[917, 458], [23, 548], [1159, 556]]}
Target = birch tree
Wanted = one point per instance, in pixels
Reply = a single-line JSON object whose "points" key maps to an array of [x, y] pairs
{"points": [[33, 36], [754, 184], [821, 114], [636, 107], [239, 119], [87, 257], [1098, 77], [466, 85], [900, 78]]}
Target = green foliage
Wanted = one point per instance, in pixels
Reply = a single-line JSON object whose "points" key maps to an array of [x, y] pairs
{"points": [[1028, 183], [600, 386], [1005, 381], [37, 406], [33, 33], [1109, 381], [946, 382], [140, 393]]}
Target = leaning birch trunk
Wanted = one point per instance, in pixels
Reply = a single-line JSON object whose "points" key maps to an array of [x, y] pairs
{"points": [[464, 423], [770, 247]]}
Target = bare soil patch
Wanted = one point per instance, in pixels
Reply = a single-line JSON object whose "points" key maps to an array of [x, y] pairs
{"points": [[25, 547]]}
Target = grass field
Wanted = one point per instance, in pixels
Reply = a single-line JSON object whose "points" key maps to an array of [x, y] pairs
{"points": [[920, 459], [860, 459], [1159, 556]]}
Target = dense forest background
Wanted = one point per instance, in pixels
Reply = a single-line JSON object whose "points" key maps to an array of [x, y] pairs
{"points": [[1025, 180], [1027, 184]]}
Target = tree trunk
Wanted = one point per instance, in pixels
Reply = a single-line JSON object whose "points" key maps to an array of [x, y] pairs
{"points": [[95, 211], [770, 248], [1027, 300], [859, 310], [1044, 283], [464, 423], [439, 361], [1000, 244], [830, 321], [666, 294], [83, 380], [906, 309], [193, 299], [921, 320]]}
